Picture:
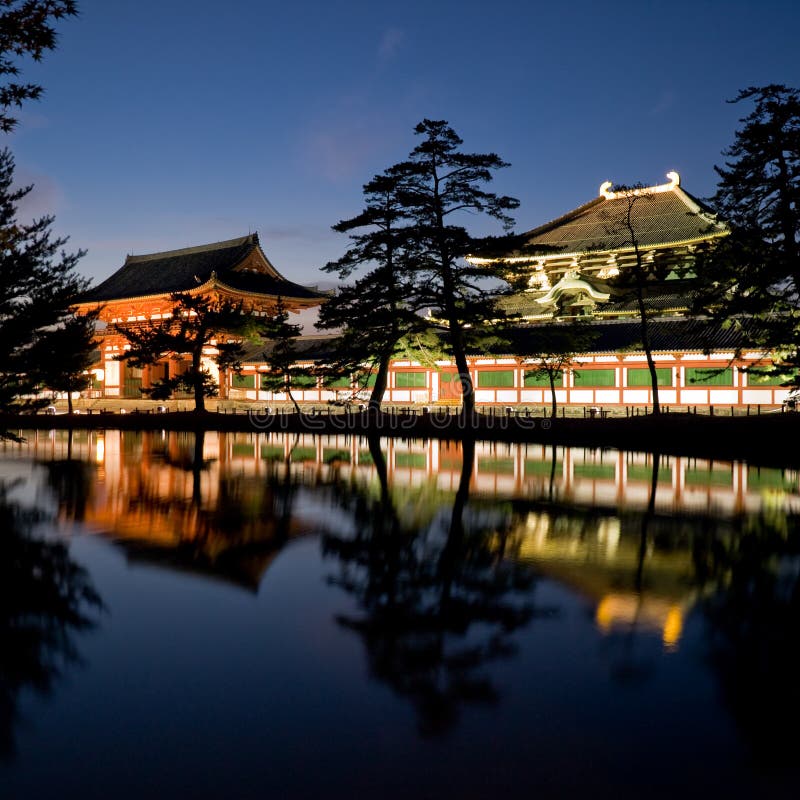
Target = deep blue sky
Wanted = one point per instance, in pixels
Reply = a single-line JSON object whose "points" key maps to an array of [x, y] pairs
{"points": [[179, 122]]}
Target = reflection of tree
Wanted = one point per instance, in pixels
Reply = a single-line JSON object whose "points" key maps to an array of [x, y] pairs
{"points": [[72, 481], [631, 668], [752, 607], [438, 601], [45, 598]]}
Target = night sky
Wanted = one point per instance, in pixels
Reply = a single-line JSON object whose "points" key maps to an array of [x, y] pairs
{"points": [[180, 122]]}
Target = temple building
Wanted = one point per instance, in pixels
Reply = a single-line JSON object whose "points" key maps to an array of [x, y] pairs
{"points": [[576, 262], [139, 291], [572, 267], [575, 268]]}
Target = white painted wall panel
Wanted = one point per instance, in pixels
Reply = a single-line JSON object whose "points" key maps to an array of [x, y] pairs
{"points": [[581, 396], [724, 396], [698, 396]]}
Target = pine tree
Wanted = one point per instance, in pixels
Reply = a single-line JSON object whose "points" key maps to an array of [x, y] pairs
{"points": [[65, 355], [197, 323], [635, 279], [554, 349], [376, 312], [38, 288], [440, 184], [26, 30], [751, 278], [281, 354]]}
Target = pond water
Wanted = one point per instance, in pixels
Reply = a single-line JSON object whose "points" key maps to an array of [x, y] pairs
{"points": [[256, 616]]}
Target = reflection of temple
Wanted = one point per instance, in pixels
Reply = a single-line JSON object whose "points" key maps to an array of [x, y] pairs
{"points": [[159, 465], [153, 496], [603, 558], [579, 514]]}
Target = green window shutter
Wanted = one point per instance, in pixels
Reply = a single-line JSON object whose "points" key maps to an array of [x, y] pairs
{"points": [[412, 460], [272, 452], [543, 468], [699, 376], [595, 377], [755, 380], [595, 471], [243, 381], [765, 478], [496, 466], [718, 476], [97, 385], [533, 378], [641, 377], [410, 380], [366, 381], [329, 455], [337, 383], [303, 382], [496, 378], [642, 473], [304, 454]]}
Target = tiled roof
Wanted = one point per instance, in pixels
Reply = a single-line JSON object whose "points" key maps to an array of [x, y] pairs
{"points": [[660, 218], [607, 336], [307, 348], [665, 335], [182, 270]]}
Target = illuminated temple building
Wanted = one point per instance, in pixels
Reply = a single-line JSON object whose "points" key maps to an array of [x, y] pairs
{"points": [[236, 270], [572, 268]]}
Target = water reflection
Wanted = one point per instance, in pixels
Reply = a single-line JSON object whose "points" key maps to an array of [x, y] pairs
{"points": [[439, 595], [751, 605], [45, 600], [443, 551]]}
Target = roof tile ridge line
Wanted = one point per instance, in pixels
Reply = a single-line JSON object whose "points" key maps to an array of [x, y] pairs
{"points": [[217, 283], [276, 272], [208, 284], [564, 217], [184, 251], [697, 208]]}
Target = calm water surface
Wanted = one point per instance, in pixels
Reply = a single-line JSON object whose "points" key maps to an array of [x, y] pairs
{"points": [[264, 616]]}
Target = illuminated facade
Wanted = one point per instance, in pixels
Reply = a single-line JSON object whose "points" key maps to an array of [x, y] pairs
{"points": [[573, 265], [234, 270]]}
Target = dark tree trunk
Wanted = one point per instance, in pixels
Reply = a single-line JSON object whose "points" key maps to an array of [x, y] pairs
{"points": [[450, 553], [554, 402], [291, 396], [381, 381], [646, 519], [648, 350], [460, 355], [197, 381]]}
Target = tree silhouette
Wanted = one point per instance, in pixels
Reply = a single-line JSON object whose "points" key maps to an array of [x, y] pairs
{"points": [[439, 185], [45, 600], [750, 280], [38, 288], [26, 30], [281, 355], [377, 311], [426, 589], [197, 324]]}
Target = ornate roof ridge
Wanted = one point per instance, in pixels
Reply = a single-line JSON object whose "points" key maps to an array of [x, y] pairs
{"points": [[607, 193], [251, 238]]}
